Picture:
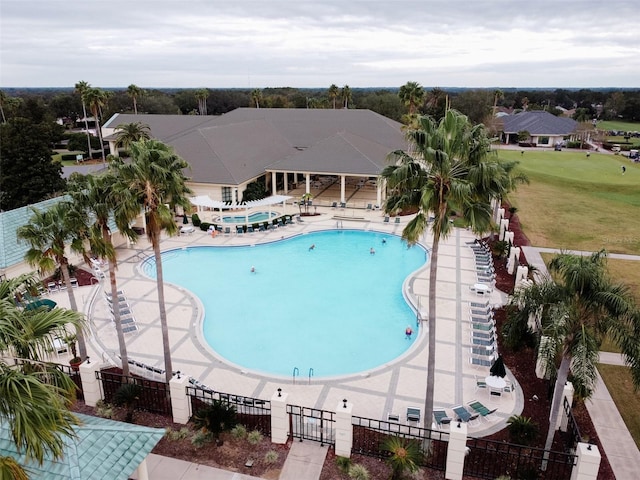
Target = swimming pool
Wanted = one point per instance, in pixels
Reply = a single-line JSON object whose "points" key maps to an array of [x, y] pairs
{"points": [[336, 309], [253, 217]]}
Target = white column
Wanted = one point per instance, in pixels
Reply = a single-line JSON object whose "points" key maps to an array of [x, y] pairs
{"points": [[344, 429], [274, 185], [142, 472], [286, 182], [514, 258], [563, 418], [500, 215], [504, 226], [522, 273], [588, 462], [379, 195], [342, 186], [508, 237], [179, 398], [456, 451], [279, 418], [90, 384], [307, 179]]}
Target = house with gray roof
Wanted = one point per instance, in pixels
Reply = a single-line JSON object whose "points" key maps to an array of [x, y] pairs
{"points": [[545, 129], [280, 147]]}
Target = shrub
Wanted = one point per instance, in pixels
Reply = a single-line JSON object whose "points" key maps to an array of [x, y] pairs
{"points": [[127, 396], [271, 457], [343, 463], [204, 226], [200, 439], [522, 430], [195, 219], [239, 432], [359, 472], [175, 435], [405, 455], [254, 437], [104, 409], [216, 418]]}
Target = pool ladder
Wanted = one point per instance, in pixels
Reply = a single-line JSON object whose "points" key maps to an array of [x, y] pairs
{"points": [[310, 375], [296, 373]]}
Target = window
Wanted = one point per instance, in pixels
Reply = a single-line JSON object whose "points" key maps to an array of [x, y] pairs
{"points": [[227, 194], [544, 141]]}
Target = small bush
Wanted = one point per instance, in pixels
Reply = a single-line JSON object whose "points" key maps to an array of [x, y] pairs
{"points": [[358, 472], [254, 437], [239, 432], [271, 457], [204, 226], [195, 219], [200, 439], [175, 435], [522, 430], [343, 463], [103, 409]]}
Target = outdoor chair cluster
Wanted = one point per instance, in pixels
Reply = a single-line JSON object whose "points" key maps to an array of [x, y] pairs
{"points": [[259, 227], [485, 272], [127, 320], [483, 339], [471, 413], [96, 266], [59, 286]]}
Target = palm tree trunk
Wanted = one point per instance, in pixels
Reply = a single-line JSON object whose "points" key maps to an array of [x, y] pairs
{"points": [[163, 312], [556, 404], [135, 106], [124, 357], [82, 346], [95, 116], [431, 357], [86, 127]]}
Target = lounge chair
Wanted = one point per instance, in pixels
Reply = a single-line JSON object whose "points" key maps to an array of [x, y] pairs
{"points": [[413, 414], [52, 287], [250, 229], [227, 230], [484, 335], [480, 383], [386, 219], [369, 206], [343, 205], [397, 220], [280, 224], [484, 351], [484, 304], [487, 327], [393, 417], [334, 204], [288, 221], [74, 282], [261, 228], [464, 415], [441, 418], [480, 409], [299, 219], [480, 361], [239, 230], [484, 342]]}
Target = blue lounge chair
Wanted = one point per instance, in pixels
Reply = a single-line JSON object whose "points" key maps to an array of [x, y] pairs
{"points": [[441, 418], [250, 229], [464, 415], [386, 219], [480, 409], [413, 414], [261, 228]]}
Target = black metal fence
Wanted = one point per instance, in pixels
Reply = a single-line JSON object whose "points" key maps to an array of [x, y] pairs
{"points": [[573, 432], [490, 459], [154, 396], [369, 436], [253, 413], [74, 374], [311, 424]]}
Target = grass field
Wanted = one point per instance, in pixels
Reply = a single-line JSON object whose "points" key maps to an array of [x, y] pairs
{"points": [[578, 202], [618, 382], [616, 125]]}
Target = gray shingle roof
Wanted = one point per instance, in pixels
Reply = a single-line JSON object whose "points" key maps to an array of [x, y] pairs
{"points": [[538, 122], [244, 143], [102, 450]]}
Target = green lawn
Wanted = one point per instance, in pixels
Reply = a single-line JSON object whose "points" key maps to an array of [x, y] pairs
{"points": [[617, 125], [618, 382], [578, 202]]}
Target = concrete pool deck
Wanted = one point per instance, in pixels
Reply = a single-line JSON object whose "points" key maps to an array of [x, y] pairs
{"points": [[374, 394]]}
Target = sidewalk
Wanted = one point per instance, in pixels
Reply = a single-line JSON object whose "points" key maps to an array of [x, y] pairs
{"points": [[167, 468]]}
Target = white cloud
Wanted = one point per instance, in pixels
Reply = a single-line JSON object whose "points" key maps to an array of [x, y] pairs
{"points": [[170, 43]]}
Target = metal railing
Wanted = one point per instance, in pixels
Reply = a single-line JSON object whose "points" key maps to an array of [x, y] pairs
{"points": [[490, 459], [311, 424], [154, 396], [253, 413], [369, 436], [573, 432]]}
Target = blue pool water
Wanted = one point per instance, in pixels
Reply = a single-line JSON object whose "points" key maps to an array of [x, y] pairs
{"points": [[253, 217], [336, 308]]}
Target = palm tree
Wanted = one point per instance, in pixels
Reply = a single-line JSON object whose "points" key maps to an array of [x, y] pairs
{"points": [[256, 97], [82, 88], [201, 95], [134, 92], [3, 101], [35, 396], [334, 92], [127, 133], [97, 98], [346, 95], [96, 198], [448, 169], [497, 95], [578, 307], [153, 179], [405, 455], [48, 233], [412, 95]]}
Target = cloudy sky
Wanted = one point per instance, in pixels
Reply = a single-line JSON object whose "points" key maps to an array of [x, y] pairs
{"points": [[304, 43]]}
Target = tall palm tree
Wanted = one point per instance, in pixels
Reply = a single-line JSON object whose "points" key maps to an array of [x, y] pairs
{"points": [[346, 95], [81, 88], [97, 98], [449, 168], [48, 233], [334, 92], [34, 396], [154, 178], [3, 101], [412, 95], [578, 307], [497, 95], [201, 95], [127, 133], [134, 92], [256, 97], [96, 198]]}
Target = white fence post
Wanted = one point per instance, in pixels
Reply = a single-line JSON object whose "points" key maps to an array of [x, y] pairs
{"points": [[344, 429], [456, 450], [504, 226], [91, 388], [588, 462], [279, 418], [563, 418], [179, 398]]}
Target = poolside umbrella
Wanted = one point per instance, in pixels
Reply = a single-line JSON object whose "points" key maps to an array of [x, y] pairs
{"points": [[497, 369]]}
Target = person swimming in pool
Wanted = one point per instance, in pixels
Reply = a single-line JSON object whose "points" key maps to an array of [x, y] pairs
{"points": [[253, 269], [312, 247], [408, 332], [372, 251]]}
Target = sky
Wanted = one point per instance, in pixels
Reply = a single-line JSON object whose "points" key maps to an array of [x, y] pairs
{"points": [[308, 44]]}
